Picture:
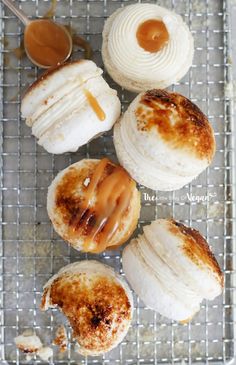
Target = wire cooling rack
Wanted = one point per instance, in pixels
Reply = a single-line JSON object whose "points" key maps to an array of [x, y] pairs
{"points": [[31, 251]]}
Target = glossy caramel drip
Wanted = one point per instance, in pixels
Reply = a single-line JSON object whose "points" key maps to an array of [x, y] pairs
{"points": [[82, 43], [90, 191], [152, 35], [52, 10], [95, 105], [112, 199]]}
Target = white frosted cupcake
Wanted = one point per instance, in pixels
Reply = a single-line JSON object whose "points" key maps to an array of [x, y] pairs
{"points": [[164, 140], [97, 302], [146, 46], [172, 269], [69, 105]]}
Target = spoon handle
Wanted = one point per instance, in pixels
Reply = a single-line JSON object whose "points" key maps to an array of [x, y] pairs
{"points": [[16, 11]]}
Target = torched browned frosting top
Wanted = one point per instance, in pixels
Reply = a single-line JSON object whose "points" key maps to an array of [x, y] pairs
{"points": [[98, 309], [111, 187], [196, 248], [179, 122], [152, 35]]}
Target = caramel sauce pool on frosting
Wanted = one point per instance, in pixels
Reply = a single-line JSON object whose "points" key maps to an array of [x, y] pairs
{"points": [[152, 35], [46, 43], [99, 221]]}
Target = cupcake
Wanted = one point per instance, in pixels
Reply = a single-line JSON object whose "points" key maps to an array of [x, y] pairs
{"points": [[96, 301], [172, 269], [69, 105], [164, 140], [146, 46], [94, 205]]}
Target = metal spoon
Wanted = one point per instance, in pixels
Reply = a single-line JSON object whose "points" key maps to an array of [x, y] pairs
{"points": [[28, 22]]}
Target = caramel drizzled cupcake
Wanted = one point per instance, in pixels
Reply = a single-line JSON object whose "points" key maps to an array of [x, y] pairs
{"points": [[94, 205], [70, 105]]}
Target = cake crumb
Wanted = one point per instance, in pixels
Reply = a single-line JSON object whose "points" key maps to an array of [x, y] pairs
{"points": [[61, 339], [28, 343], [45, 353], [29, 357]]}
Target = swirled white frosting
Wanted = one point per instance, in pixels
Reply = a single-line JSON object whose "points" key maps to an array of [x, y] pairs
{"points": [[57, 109], [167, 65], [164, 275]]}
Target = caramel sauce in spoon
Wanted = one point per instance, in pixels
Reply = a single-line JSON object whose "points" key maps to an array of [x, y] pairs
{"points": [[47, 43]]}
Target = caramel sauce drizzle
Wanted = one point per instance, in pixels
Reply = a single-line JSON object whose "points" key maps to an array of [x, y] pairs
{"points": [[95, 105], [52, 10], [152, 35], [113, 196]]}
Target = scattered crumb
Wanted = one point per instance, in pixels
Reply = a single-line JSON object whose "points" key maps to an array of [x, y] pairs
{"points": [[45, 353], [86, 181], [61, 339], [28, 343], [28, 357]]}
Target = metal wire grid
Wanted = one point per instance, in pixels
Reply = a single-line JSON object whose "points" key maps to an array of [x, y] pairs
{"points": [[31, 252]]}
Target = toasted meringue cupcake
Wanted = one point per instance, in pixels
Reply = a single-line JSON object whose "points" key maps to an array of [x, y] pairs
{"points": [[146, 46], [164, 140], [69, 105], [97, 302], [94, 205], [172, 269]]}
